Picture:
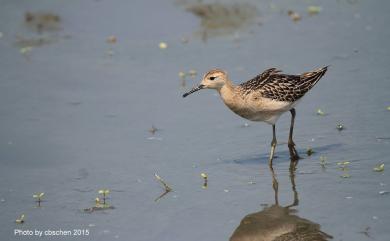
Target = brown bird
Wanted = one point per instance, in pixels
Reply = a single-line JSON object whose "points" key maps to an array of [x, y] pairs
{"points": [[264, 98]]}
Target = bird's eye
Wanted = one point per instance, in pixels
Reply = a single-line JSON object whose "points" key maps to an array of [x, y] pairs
{"points": [[212, 78]]}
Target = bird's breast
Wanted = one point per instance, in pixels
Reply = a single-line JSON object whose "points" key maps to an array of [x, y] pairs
{"points": [[255, 107]]}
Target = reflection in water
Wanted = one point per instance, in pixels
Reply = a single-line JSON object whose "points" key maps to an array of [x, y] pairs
{"points": [[219, 19], [277, 223]]}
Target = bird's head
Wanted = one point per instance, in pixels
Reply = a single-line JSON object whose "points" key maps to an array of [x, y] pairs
{"points": [[214, 79]]}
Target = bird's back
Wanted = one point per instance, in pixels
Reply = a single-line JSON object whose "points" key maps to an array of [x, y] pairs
{"points": [[273, 84]]}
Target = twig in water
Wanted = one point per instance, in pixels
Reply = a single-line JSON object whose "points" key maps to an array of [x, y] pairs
{"points": [[166, 186]]}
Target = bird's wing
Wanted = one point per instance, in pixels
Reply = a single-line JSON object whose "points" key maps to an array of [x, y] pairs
{"points": [[258, 81], [282, 87]]}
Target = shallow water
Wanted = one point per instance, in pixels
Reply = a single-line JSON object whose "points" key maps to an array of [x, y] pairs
{"points": [[75, 116]]}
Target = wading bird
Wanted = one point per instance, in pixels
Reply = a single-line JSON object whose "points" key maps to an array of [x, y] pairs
{"points": [[264, 98]]}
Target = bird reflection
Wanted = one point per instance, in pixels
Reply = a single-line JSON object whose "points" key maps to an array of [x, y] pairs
{"points": [[278, 223]]}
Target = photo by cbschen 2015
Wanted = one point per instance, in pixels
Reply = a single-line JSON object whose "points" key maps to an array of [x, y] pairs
{"points": [[98, 143]]}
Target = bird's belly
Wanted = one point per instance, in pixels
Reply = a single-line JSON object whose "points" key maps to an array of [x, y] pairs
{"points": [[262, 110], [266, 116]]}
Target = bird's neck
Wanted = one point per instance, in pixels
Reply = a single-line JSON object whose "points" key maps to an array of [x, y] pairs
{"points": [[227, 92]]}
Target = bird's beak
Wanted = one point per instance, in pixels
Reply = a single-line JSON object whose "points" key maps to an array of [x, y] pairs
{"points": [[193, 90]]}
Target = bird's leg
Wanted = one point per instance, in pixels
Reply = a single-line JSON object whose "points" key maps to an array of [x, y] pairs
{"points": [[275, 185], [292, 179], [273, 146], [291, 145]]}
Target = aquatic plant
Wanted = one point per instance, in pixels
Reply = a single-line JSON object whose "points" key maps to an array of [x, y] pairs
{"points": [[25, 51], [323, 162], [204, 176], [153, 130], [379, 168], [344, 167], [38, 197], [20, 220], [312, 10], [105, 193], [309, 151]]}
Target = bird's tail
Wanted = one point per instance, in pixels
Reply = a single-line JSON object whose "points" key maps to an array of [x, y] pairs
{"points": [[309, 79]]}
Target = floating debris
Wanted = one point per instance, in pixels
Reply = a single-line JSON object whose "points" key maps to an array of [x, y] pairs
{"points": [[379, 168], [204, 176], [20, 220], [388, 108], [102, 207], [383, 192], [38, 197], [313, 10], [99, 206], [41, 21], [163, 45], [309, 151], [294, 15], [111, 40], [320, 112], [340, 127], [153, 130], [226, 190]]}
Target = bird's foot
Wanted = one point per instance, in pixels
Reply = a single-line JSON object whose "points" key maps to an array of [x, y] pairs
{"points": [[293, 152]]}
